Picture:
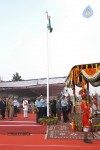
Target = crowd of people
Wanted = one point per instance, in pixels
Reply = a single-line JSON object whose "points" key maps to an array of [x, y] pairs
{"points": [[10, 107], [57, 107], [60, 106]]}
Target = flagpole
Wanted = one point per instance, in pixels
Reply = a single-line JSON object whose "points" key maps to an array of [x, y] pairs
{"points": [[50, 30], [47, 72]]}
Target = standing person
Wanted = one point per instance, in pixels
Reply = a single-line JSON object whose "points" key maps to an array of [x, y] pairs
{"points": [[25, 108], [45, 108], [96, 107], [15, 107], [86, 114], [11, 108], [38, 107], [0, 108], [53, 108], [64, 104], [42, 100], [7, 107], [3, 108], [95, 101], [70, 106], [58, 108]]}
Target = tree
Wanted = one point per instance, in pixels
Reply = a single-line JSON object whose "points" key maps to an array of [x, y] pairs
{"points": [[16, 77]]}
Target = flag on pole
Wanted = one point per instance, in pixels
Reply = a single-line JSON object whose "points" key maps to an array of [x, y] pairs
{"points": [[49, 23]]}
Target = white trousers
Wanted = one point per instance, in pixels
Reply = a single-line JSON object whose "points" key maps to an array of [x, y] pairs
{"points": [[25, 113], [85, 129]]}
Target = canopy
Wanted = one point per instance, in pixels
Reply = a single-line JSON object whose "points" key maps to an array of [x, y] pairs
{"points": [[33, 87], [80, 75]]}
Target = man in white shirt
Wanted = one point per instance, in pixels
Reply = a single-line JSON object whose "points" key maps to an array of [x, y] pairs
{"points": [[25, 108], [64, 105]]}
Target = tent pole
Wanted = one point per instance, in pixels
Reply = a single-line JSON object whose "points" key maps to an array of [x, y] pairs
{"points": [[74, 102], [87, 90]]}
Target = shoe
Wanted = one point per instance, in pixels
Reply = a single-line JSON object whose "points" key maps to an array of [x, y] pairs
{"points": [[87, 141], [65, 121]]}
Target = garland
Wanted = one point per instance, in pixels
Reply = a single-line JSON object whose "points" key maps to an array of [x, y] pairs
{"points": [[92, 77], [90, 74]]}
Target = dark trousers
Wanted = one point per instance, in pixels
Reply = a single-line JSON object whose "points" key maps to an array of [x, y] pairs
{"points": [[15, 111], [53, 112], [43, 112], [64, 111], [58, 111], [38, 114], [3, 113]]}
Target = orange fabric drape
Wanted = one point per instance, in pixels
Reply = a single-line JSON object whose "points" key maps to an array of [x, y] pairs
{"points": [[90, 71]]}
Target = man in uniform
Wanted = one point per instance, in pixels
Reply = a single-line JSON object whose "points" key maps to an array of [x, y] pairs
{"points": [[86, 115], [64, 104], [38, 107], [70, 106], [11, 108]]}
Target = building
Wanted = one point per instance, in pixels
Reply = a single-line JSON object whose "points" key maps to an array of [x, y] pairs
{"points": [[32, 88]]}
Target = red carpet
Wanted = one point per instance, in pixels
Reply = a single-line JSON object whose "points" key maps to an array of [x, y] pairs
{"points": [[21, 125], [64, 131]]}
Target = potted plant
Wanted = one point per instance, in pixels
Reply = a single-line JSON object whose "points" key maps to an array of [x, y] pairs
{"points": [[55, 120], [48, 120]]}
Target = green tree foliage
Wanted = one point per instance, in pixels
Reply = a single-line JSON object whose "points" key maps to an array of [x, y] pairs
{"points": [[16, 77]]}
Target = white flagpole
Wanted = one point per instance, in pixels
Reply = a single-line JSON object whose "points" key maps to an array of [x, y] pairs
{"points": [[47, 72]]}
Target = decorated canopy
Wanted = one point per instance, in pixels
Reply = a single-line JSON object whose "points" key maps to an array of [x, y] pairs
{"points": [[81, 75]]}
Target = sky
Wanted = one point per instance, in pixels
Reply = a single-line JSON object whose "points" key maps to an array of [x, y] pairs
{"points": [[28, 48]]}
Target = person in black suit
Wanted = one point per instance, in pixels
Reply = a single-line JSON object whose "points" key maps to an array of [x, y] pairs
{"points": [[3, 107], [0, 105], [53, 108]]}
